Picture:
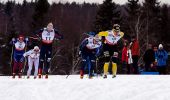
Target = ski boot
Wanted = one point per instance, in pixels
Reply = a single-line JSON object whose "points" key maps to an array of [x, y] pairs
{"points": [[28, 77], [46, 76], [13, 75], [90, 77], [105, 76], [19, 75], [81, 76], [39, 76], [113, 76], [35, 77], [39, 73]]}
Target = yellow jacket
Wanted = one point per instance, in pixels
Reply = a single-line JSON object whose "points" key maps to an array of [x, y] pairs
{"points": [[109, 38]]}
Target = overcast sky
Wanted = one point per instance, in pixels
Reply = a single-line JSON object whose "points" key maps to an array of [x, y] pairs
{"points": [[92, 1]]}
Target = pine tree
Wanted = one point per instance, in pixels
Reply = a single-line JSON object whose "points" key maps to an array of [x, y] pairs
{"points": [[40, 14], [151, 10], [132, 20], [164, 25], [106, 16]]}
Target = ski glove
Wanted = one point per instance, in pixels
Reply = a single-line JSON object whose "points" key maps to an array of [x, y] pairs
{"points": [[13, 39], [26, 39]]}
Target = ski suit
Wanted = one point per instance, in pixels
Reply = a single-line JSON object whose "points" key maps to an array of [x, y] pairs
{"points": [[18, 56], [33, 58], [47, 39], [89, 49], [110, 49]]}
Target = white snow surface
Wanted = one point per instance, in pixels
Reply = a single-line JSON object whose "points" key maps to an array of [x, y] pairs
{"points": [[123, 87]]}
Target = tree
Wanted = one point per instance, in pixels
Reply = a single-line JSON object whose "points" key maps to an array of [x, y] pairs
{"points": [[133, 19], [164, 34], [40, 14], [151, 10], [106, 16]]}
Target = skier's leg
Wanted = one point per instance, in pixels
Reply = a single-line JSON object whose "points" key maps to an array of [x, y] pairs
{"points": [[20, 69], [15, 65], [42, 60], [36, 64], [21, 63], [30, 64], [114, 69], [14, 68], [48, 60], [83, 64], [106, 64], [107, 56], [92, 59], [114, 66]]}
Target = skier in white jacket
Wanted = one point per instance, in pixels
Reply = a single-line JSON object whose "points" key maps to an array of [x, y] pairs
{"points": [[33, 58]]}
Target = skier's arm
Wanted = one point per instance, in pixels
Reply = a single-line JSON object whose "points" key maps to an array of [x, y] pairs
{"points": [[37, 34], [13, 41], [58, 35], [102, 35], [27, 53], [83, 44]]}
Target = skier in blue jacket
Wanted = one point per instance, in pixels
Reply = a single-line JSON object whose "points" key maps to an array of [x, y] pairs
{"points": [[89, 49], [161, 58]]}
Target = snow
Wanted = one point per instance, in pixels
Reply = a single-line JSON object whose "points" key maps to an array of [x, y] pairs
{"points": [[123, 87]]}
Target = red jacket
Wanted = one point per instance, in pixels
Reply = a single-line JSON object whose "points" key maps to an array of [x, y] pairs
{"points": [[135, 48], [124, 55]]}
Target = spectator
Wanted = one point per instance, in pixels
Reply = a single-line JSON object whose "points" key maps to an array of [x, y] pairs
{"points": [[155, 49], [161, 59], [149, 58], [135, 53], [127, 58], [124, 58]]}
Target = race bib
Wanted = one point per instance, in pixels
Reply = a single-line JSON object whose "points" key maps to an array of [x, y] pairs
{"points": [[19, 46], [111, 39], [48, 37], [91, 44]]}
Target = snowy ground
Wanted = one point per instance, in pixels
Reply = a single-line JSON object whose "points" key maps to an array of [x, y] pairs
{"points": [[123, 87]]}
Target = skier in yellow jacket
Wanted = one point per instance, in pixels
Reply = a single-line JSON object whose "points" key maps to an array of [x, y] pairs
{"points": [[110, 50]]}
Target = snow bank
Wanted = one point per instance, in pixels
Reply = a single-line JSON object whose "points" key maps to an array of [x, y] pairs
{"points": [[123, 87]]}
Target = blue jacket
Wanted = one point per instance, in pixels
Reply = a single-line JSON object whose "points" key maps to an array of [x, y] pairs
{"points": [[161, 57], [84, 49]]}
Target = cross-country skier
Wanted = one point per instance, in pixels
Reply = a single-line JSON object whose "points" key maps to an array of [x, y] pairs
{"points": [[110, 50], [33, 58], [89, 48], [18, 59], [47, 35]]}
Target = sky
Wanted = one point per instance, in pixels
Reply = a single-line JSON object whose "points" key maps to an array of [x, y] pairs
{"points": [[92, 1]]}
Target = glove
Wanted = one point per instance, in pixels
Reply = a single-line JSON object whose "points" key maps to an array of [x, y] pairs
{"points": [[115, 54], [26, 39], [13, 39], [56, 39], [79, 52]]}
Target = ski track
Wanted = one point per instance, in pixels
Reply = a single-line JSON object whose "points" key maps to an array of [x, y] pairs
{"points": [[123, 87]]}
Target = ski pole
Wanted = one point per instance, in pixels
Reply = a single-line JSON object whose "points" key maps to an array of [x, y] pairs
{"points": [[11, 63], [25, 62]]}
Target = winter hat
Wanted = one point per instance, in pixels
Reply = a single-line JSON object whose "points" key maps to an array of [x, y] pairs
{"points": [[91, 33], [116, 27], [21, 37], [36, 48], [160, 46]]}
